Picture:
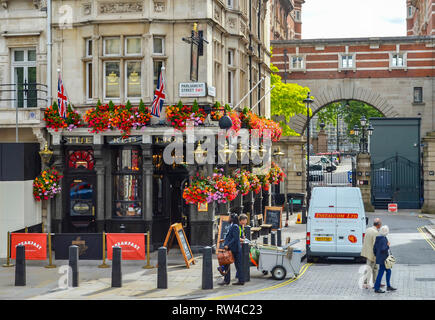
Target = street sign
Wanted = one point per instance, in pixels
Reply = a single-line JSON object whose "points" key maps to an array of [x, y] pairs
{"points": [[192, 90], [349, 176]]}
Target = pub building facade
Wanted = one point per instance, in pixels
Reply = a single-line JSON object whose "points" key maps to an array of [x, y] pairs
{"points": [[116, 184], [114, 50]]}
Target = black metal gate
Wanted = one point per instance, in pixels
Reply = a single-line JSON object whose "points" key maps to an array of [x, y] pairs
{"points": [[398, 180]]}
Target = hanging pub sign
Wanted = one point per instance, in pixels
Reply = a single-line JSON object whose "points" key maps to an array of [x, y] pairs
{"points": [[120, 140], [176, 231], [194, 55]]}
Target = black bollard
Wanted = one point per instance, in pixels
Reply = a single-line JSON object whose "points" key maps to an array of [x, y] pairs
{"points": [[73, 263], [248, 232], [273, 238], [278, 238], [207, 269], [291, 206], [245, 262], [265, 239], [116, 268], [304, 215], [20, 266], [162, 272]]}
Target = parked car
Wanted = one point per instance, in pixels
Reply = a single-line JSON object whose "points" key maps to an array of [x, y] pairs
{"points": [[316, 172]]}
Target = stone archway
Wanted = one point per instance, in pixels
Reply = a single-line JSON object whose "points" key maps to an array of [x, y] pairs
{"points": [[327, 95]]}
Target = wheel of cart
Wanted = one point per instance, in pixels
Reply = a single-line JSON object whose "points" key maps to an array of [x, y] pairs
{"points": [[278, 272]]}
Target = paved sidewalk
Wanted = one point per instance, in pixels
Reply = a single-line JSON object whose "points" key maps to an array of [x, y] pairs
{"points": [[137, 283]]}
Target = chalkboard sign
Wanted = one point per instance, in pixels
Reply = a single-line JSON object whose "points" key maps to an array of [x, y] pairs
{"points": [[177, 230], [273, 216], [224, 227]]}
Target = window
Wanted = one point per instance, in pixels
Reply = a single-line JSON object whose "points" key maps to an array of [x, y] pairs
{"points": [[398, 60], [347, 61], [127, 183], [230, 4], [88, 48], [297, 16], [111, 80], [133, 46], [231, 57], [112, 46], [123, 74], [157, 67], [23, 69], [297, 62], [231, 87], [418, 95], [81, 159], [88, 80], [410, 11], [158, 45]]}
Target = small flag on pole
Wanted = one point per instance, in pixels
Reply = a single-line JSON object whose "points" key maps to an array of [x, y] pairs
{"points": [[159, 95], [62, 100]]}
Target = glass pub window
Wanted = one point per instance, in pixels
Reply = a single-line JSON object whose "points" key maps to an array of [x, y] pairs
{"points": [[127, 183]]}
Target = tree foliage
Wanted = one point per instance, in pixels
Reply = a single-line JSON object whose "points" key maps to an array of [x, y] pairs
{"points": [[286, 100]]}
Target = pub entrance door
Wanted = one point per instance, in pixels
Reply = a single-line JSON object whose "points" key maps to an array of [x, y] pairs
{"points": [[80, 192]]}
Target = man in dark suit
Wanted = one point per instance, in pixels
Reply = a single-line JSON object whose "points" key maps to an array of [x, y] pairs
{"points": [[232, 243]]}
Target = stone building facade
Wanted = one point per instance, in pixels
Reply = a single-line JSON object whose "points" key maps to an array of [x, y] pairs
{"points": [[286, 19], [113, 50], [420, 16]]}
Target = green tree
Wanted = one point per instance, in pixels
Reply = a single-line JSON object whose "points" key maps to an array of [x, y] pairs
{"points": [[286, 100]]}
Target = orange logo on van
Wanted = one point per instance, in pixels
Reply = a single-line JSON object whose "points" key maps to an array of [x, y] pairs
{"points": [[337, 215], [352, 238]]}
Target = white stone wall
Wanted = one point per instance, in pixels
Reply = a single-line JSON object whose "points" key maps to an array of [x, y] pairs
{"points": [[18, 209]]}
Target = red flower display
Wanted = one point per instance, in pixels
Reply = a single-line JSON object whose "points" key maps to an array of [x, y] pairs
{"points": [[54, 121], [179, 115], [47, 185]]}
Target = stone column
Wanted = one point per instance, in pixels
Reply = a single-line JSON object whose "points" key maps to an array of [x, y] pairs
{"points": [[363, 179], [56, 205], [293, 163], [429, 173], [322, 141], [147, 183], [100, 170]]}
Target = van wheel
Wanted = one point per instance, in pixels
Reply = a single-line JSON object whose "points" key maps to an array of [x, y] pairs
{"points": [[278, 273]]}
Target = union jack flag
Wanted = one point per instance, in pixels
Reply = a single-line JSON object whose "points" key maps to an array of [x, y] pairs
{"points": [[62, 100], [159, 96]]}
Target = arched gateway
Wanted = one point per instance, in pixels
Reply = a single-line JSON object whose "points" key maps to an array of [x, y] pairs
{"points": [[395, 75]]}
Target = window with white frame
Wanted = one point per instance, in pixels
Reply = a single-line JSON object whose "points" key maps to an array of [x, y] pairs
{"points": [[230, 4], [418, 94], [347, 61], [297, 16], [297, 62], [157, 68], [398, 60], [88, 68], [410, 12], [158, 45], [122, 68], [88, 47]]}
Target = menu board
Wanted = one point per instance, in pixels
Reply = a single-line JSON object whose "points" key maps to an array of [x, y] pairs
{"points": [[273, 216], [224, 228], [177, 230]]}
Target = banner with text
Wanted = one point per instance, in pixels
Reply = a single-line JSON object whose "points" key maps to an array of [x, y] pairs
{"points": [[132, 245], [90, 245], [35, 245]]}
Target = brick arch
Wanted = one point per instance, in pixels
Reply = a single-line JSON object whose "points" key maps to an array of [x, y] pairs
{"points": [[329, 95]]}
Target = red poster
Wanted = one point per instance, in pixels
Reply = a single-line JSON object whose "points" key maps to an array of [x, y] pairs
{"points": [[35, 245], [132, 245]]}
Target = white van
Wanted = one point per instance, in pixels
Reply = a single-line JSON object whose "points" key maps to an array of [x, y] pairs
{"points": [[336, 223]]}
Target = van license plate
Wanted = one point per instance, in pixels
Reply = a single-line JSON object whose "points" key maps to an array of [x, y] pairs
{"points": [[323, 238]]}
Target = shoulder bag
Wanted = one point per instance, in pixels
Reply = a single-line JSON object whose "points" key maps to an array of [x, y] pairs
{"points": [[390, 261], [225, 257]]}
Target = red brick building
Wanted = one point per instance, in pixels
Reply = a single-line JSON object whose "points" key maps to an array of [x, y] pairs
{"points": [[286, 20], [420, 17]]}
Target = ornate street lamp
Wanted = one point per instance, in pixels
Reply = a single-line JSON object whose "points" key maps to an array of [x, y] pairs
{"points": [[366, 130], [46, 155], [308, 101]]}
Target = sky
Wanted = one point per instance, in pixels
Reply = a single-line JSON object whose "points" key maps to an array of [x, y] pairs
{"points": [[353, 18]]}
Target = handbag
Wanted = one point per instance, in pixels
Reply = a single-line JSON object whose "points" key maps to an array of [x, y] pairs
{"points": [[389, 261], [225, 257]]}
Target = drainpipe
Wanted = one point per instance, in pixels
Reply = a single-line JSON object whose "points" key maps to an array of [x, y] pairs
{"points": [[49, 46], [259, 53], [250, 54]]}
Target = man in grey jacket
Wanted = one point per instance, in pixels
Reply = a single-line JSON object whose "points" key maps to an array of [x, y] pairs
{"points": [[367, 252]]}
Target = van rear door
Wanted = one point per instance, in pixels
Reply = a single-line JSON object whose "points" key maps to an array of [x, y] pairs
{"points": [[322, 224], [349, 215]]}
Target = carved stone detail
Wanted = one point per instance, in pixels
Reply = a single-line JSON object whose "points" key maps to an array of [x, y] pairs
{"points": [[159, 6], [217, 14], [231, 23], [87, 9], [120, 7]]}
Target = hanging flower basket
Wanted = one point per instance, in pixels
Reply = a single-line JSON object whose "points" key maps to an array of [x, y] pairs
{"points": [[47, 185], [276, 174], [199, 190], [225, 188], [242, 181], [253, 121]]}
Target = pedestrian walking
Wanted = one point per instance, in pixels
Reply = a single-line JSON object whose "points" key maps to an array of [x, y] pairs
{"points": [[367, 252], [243, 221], [380, 250], [232, 243]]}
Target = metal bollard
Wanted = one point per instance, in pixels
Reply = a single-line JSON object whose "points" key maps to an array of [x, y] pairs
{"points": [[278, 238], [116, 268], [162, 271], [304, 215], [273, 238], [248, 232], [265, 239], [73, 263], [245, 262], [20, 266], [207, 269]]}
